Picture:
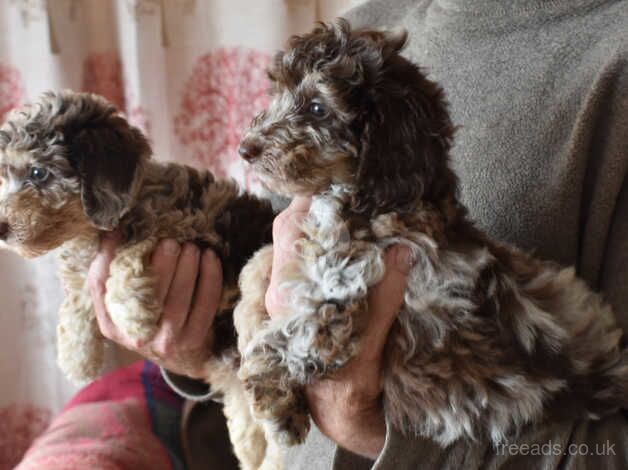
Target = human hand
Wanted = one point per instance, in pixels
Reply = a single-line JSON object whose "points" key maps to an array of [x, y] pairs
{"points": [[189, 286], [347, 407]]}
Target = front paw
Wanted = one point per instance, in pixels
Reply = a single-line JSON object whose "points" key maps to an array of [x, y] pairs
{"points": [[134, 319], [80, 353], [133, 307], [280, 405], [291, 430]]}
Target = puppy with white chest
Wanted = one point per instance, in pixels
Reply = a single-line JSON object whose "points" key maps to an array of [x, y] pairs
{"points": [[489, 339], [72, 168]]}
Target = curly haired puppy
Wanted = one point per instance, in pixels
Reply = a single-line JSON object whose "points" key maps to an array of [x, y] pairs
{"points": [[72, 168], [489, 339]]}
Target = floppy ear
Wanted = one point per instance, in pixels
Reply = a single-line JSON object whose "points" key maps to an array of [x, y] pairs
{"points": [[406, 134], [108, 154]]}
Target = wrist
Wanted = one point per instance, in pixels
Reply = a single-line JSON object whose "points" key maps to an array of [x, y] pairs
{"points": [[367, 436], [361, 433], [188, 363]]}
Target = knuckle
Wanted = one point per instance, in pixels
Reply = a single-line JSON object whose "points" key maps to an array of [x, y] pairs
{"points": [[165, 344], [166, 349], [136, 344]]}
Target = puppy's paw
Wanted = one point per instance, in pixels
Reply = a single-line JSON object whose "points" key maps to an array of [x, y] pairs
{"points": [[282, 408], [131, 298], [293, 429], [80, 357], [133, 306], [134, 319]]}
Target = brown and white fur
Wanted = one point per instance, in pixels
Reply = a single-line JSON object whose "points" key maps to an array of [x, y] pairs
{"points": [[489, 339], [72, 168]]}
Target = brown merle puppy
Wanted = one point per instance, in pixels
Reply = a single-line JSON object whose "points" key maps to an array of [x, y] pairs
{"points": [[489, 339], [71, 168]]}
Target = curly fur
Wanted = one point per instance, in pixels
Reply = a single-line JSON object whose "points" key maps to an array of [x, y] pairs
{"points": [[99, 177], [489, 339]]}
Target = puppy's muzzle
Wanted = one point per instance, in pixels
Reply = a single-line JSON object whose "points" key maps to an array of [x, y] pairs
{"points": [[250, 149]]}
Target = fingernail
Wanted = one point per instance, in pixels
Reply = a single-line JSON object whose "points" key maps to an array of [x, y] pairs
{"points": [[171, 247], [404, 260], [192, 249], [209, 255]]}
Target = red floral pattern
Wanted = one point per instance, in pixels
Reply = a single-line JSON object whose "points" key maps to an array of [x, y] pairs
{"points": [[226, 89], [137, 114], [102, 74], [19, 426], [10, 89]]}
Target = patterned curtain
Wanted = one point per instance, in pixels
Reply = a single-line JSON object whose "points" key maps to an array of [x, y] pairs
{"points": [[190, 73]]}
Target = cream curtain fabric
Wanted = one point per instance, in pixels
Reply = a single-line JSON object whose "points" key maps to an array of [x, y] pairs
{"points": [[190, 73]]}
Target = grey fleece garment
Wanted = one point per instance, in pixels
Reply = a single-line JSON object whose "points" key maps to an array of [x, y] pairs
{"points": [[539, 90]]}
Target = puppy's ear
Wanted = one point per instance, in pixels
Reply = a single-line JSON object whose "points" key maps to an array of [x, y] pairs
{"points": [[380, 44], [405, 134], [107, 153], [392, 41]]}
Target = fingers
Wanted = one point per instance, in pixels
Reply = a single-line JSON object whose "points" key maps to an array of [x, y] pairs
{"points": [[182, 342], [96, 281], [164, 264], [189, 287], [207, 298], [385, 299], [181, 292]]}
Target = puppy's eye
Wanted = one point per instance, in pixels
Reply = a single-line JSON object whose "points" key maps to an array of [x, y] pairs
{"points": [[317, 109], [38, 174]]}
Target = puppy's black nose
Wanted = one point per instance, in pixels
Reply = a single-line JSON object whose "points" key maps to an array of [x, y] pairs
{"points": [[4, 230], [250, 150]]}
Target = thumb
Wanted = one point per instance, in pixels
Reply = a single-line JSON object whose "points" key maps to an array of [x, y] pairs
{"points": [[99, 268], [286, 231]]}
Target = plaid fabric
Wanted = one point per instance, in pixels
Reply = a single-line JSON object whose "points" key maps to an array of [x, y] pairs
{"points": [[128, 419]]}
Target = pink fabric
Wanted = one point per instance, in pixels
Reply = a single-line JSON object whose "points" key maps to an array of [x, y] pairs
{"points": [[119, 385], [102, 74], [10, 89], [107, 425], [226, 89], [102, 435]]}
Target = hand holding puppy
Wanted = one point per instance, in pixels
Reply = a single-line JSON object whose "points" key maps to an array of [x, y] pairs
{"points": [[189, 288], [346, 407]]}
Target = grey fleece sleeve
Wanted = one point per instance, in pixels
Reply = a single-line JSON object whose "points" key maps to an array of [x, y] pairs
{"points": [[613, 278], [567, 444]]}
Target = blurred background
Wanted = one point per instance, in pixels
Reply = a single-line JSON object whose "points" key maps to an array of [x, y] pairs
{"points": [[190, 73]]}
